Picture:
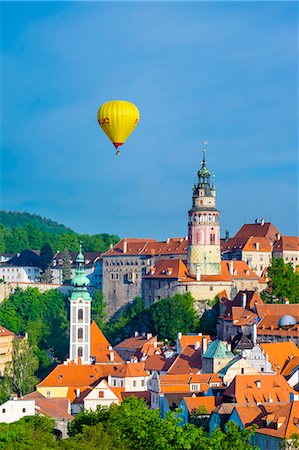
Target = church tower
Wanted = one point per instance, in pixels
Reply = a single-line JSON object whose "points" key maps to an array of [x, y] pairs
{"points": [[80, 304], [204, 227]]}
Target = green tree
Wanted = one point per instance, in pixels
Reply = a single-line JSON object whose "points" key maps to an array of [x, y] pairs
{"points": [[283, 283], [291, 443], [46, 261], [35, 237], [18, 377], [170, 315], [98, 305], [16, 240], [66, 265]]}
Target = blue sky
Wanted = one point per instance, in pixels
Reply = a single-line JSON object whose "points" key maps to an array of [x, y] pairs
{"points": [[222, 72]]}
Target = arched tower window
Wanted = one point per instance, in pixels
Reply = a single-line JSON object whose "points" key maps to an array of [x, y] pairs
{"points": [[80, 352], [80, 334], [80, 315]]}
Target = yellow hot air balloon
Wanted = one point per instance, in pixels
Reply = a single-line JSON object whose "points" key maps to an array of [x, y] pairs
{"points": [[118, 119]]}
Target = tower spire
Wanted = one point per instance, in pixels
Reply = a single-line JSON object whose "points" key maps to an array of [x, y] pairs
{"points": [[204, 153]]}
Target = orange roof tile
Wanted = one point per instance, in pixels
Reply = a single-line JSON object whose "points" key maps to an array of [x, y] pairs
{"points": [[249, 244], [245, 389], [168, 268], [287, 243], [188, 361], [158, 363], [290, 366], [100, 346], [5, 332], [191, 339], [279, 353], [205, 378], [128, 369], [267, 230], [209, 402], [148, 247], [281, 422]]}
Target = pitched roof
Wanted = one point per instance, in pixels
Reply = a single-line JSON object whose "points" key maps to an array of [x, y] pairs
{"points": [[258, 388], [128, 369], [286, 243], [217, 349], [188, 361], [249, 244], [263, 229], [133, 343], [55, 407], [207, 378], [100, 347], [27, 258], [279, 353], [5, 332], [76, 375], [271, 314], [148, 247], [291, 365], [192, 339], [209, 402], [158, 363], [169, 268]]}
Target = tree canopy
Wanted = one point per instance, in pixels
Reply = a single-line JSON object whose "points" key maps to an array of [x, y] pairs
{"points": [[283, 283]]}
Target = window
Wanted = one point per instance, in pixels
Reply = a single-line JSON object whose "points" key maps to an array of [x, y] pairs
{"points": [[142, 383], [134, 383], [101, 394], [114, 382], [114, 276], [3, 410], [48, 394], [80, 334], [80, 352], [194, 387], [212, 238], [23, 410], [80, 315], [211, 288]]}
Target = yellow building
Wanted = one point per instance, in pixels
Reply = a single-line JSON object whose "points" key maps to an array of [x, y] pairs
{"points": [[6, 342]]}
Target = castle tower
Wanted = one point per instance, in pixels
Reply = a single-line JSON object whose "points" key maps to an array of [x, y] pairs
{"points": [[80, 304], [204, 227]]}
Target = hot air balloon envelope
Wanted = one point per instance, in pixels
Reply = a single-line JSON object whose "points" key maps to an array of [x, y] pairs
{"points": [[118, 118]]}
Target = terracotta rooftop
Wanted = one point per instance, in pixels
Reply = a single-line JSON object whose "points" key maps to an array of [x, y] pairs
{"points": [[168, 268], [287, 243], [56, 407], [158, 363], [279, 353], [266, 229], [128, 369], [188, 361], [248, 244], [5, 332], [100, 347], [259, 389], [209, 402], [135, 342], [291, 365], [191, 339], [148, 247]]}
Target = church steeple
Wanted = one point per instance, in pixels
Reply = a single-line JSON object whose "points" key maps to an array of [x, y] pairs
{"points": [[80, 304], [203, 226]]}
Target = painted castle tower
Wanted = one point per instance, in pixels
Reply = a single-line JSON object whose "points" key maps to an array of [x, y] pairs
{"points": [[204, 227], [80, 305]]}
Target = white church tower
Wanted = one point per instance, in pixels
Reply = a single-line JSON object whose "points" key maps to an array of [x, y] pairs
{"points": [[80, 304]]}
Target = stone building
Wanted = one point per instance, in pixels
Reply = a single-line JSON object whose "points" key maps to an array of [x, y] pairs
{"points": [[202, 273], [128, 261], [6, 343]]}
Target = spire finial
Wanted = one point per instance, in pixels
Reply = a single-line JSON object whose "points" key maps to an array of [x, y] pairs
{"points": [[204, 152]]}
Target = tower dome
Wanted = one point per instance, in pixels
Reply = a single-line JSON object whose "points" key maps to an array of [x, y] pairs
{"points": [[287, 321]]}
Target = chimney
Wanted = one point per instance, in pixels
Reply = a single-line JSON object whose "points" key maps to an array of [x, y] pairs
{"points": [[196, 345], [254, 333], [167, 240], [258, 384], [78, 392], [180, 336], [149, 336], [112, 356], [270, 399], [262, 222], [111, 246], [229, 346], [257, 246], [243, 299], [204, 344], [197, 272], [125, 247], [136, 334], [286, 301], [155, 344], [277, 236], [226, 235], [231, 267]]}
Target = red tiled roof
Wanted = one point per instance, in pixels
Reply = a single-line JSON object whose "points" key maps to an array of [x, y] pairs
{"points": [[168, 268], [158, 363], [135, 369], [100, 346], [149, 247], [291, 365], [191, 339], [279, 353], [5, 332], [188, 361], [270, 315], [267, 230], [286, 243], [244, 389], [55, 407], [248, 244], [133, 343], [209, 402]]}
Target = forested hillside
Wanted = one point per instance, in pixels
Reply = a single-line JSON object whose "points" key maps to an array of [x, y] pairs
{"points": [[20, 231]]}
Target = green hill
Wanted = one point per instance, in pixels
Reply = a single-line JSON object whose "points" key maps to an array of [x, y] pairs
{"points": [[21, 231], [12, 219]]}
